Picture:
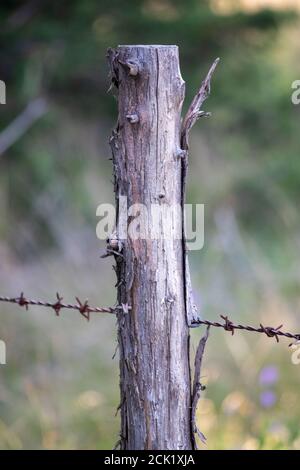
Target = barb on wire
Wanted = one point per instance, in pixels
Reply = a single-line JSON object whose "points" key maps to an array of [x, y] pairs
{"points": [[85, 309], [82, 307]]}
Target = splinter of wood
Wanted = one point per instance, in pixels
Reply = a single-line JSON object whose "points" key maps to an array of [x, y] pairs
{"points": [[194, 112], [132, 118], [132, 66]]}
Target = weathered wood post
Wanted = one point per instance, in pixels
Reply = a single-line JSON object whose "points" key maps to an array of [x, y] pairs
{"points": [[149, 169]]}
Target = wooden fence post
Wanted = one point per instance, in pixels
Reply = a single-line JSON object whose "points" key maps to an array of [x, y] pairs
{"points": [[149, 169]]}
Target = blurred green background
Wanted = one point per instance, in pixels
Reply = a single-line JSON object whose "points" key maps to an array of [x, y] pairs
{"points": [[59, 389]]}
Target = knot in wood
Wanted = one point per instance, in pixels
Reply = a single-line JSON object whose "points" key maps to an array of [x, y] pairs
{"points": [[133, 67], [113, 243], [132, 118], [181, 153]]}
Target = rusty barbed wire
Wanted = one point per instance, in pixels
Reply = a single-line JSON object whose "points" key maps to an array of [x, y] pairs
{"points": [[82, 307], [85, 309]]}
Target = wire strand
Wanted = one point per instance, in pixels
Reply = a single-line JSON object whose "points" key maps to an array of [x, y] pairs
{"points": [[85, 309]]}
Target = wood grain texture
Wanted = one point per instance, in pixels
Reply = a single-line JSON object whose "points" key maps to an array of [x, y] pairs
{"points": [[153, 336]]}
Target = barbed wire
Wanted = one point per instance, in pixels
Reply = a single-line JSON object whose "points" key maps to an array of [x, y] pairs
{"points": [[85, 309], [82, 307]]}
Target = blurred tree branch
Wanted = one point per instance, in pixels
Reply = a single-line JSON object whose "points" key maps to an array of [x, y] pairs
{"points": [[24, 13]]}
